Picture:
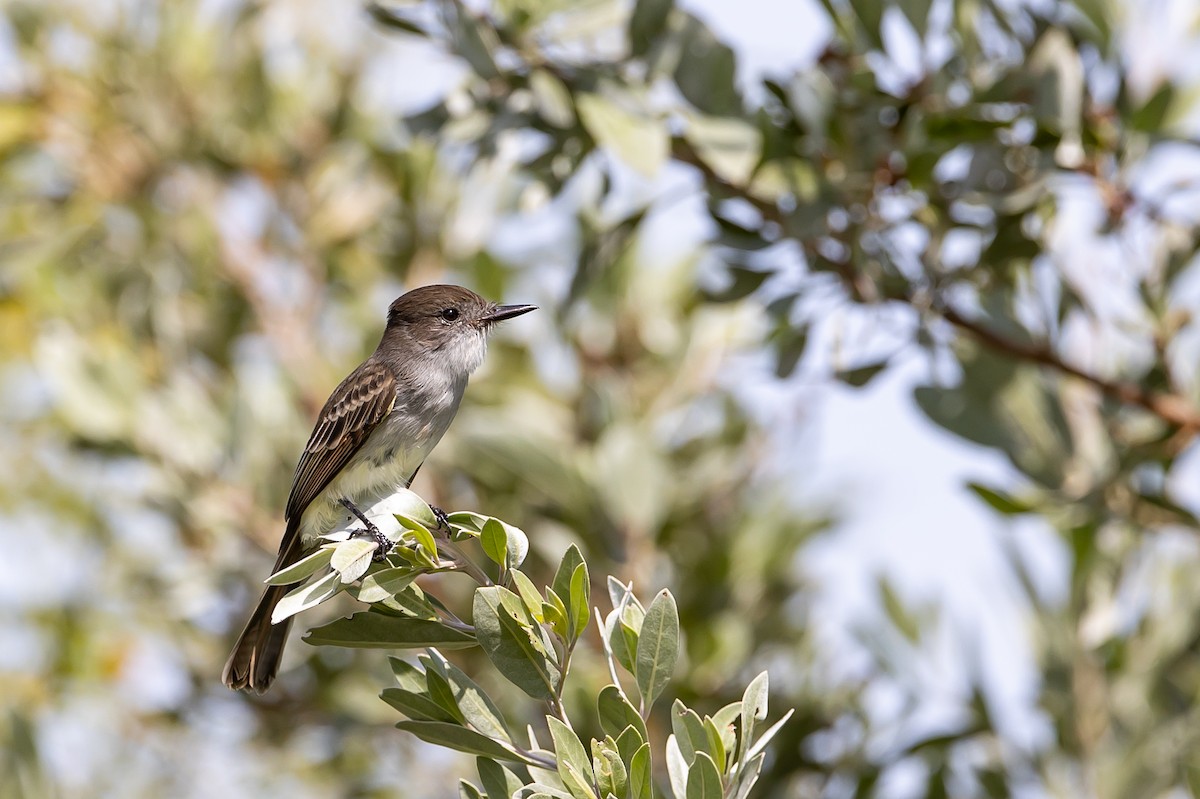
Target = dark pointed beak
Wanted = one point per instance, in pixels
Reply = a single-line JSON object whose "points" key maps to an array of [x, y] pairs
{"points": [[502, 312]]}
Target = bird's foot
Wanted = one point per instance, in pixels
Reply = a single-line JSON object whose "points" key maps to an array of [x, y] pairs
{"points": [[442, 519], [384, 543]]}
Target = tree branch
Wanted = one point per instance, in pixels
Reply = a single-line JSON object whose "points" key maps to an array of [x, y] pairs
{"points": [[1171, 408]]}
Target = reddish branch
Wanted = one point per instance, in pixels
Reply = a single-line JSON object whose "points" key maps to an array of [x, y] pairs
{"points": [[1171, 408]]}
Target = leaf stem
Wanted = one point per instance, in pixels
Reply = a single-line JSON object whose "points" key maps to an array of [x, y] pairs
{"points": [[464, 563]]}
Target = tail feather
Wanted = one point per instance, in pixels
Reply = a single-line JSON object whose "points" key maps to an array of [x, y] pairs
{"points": [[255, 658]]}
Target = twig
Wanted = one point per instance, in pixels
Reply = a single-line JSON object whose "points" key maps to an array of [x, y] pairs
{"points": [[1171, 408]]}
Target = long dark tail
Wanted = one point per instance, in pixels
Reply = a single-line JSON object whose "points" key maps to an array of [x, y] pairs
{"points": [[255, 659]]}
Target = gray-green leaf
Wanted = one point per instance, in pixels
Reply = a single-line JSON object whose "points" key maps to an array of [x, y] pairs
{"points": [[497, 781], [704, 780], [306, 596], [574, 765], [385, 583], [304, 568], [657, 648], [516, 648], [416, 706], [377, 631], [461, 739], [616, 713], [640, 782], [494, 541], [754, 708]]}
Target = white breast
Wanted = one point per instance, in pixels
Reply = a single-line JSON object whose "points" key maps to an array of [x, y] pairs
{"points": [[391, 456]]}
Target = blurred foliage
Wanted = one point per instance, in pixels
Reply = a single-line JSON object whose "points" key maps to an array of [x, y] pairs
{"points": [[204, 208]]}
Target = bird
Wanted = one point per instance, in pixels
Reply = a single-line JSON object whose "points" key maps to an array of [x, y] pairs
{"points": [[369, 440]]}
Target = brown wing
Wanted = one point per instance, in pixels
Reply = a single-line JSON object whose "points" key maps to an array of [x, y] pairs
{"points": [[353, 410]]}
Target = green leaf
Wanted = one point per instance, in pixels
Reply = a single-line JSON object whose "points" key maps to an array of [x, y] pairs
{"points": [[528, 593], [742, 283], [514, 647], [623, 640], [621, 626], [766, 737], [677, 768], [494, 541], [440, 692], [612, 778], [541, 791], [376, 631], [574, 765], [616, 713], [416, 706], [518, 545], [306, 596], [407, 675], [917, 12], [467, 520], [498, 782], [477, 707], [870, 14], [689, 731], [390, 18], [640, 142], [462, 739], [706, 71], [304, 568], [747, 776], [716, 745], [731, 147], [413, 602], [621, 595], [628, 742], [474, 41], [1000, 501], [704, 780], [790, 344], [552, 99], [421, 535], [352, 558], [754, 708], [555, 614], [641, 785], [725, 721], [571, 560], [409, 505], [647, 23], [857, 378], [657, 648], [905, 622], [581, 596], [385, 583], [468, 791]]}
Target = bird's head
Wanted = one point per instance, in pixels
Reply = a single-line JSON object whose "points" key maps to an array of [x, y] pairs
{"points": [[448, 322]]}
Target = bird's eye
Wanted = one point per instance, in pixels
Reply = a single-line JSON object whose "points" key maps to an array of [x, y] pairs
{"points": [[450, 314]]}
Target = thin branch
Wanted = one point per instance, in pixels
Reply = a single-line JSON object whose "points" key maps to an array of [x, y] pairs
{"points": [[1171, 408]]}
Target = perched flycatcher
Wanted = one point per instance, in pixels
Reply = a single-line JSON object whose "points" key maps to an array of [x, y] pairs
{"points": [[370, 438]]}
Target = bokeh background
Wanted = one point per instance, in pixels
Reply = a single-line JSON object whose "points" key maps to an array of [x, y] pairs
{"points": [[867, 328]]}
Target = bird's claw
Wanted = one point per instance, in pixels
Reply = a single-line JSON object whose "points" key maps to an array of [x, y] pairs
{"points": [[383, 543], [442, 519]]}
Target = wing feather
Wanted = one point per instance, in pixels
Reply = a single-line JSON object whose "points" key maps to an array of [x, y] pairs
{"points": [[355, 408]]}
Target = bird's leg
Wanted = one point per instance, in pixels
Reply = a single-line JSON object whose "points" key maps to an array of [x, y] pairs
{"points": [[385, 544], [442, 519]]}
